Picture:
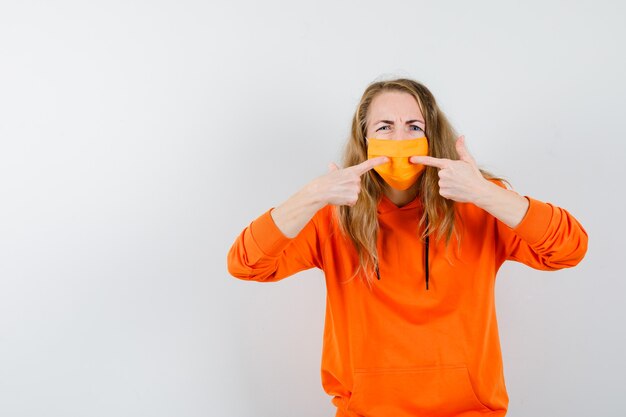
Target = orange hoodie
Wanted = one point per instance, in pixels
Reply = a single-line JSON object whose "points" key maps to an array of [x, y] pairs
{"points": [[400, 349]]}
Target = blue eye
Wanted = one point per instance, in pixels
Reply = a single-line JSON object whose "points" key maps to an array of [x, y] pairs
{"points": [[382, 127]]}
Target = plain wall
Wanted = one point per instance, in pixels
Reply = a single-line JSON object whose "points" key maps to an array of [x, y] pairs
{"points": [[138, 138]]}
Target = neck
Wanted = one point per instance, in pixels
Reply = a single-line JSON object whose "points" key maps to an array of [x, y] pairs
{"points": [[401, 197]]}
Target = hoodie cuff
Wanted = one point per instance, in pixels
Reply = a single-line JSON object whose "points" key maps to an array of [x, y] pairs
{"points": [[266, 236], [536, 221]]}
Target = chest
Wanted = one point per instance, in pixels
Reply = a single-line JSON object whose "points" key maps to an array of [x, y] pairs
{"points": [[456, 269]]}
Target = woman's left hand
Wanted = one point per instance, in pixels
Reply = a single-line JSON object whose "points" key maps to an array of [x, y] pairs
{"points": [[459, 180]]}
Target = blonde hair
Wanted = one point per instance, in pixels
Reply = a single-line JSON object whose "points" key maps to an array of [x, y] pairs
{"points": [[360, 222]]}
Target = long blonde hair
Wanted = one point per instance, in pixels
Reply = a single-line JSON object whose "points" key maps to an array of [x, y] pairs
{"points": [[360, 222]]}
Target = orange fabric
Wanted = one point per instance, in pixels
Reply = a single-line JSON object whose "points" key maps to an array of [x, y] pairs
{"points": [[400, 350], [399, 173]]}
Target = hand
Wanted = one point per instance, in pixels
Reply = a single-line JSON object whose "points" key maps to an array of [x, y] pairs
{"points": [[342, 186], [459, 180]]}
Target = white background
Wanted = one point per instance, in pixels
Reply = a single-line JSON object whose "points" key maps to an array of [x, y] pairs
{"points": [[138, 138]]}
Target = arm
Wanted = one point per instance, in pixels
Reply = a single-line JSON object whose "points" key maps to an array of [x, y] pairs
{"points": [[262, 252], [505, 205], [291, 216], [538, 234], [548, 237], [285, 240], [461, 180], [339, 186]]}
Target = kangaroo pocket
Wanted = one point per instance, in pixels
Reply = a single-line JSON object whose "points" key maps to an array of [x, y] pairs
{"points": [[441, 391]]}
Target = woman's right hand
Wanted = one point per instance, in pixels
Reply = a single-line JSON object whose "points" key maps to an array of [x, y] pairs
{"points": [[338, 187], [342, 186]]}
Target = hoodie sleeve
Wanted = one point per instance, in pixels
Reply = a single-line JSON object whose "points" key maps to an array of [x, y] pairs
{"points": [[262, 252], [547, 238]]}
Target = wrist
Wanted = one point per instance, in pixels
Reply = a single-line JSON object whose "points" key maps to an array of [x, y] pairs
{"points": [[487, 192], [312, 196], [291, 216], [506, 205]]}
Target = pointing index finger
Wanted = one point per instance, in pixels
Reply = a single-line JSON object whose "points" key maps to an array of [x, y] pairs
{"points": [[368, 164], [430, 161]]}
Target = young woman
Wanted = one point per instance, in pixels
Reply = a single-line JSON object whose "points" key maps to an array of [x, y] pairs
{"points": [[410, 235]]}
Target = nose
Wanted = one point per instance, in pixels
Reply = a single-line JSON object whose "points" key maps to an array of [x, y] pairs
{"points": [[405, 133], [398, 134]]}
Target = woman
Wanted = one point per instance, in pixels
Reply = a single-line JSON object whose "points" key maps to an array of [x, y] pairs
{"points": [[425, 231]]}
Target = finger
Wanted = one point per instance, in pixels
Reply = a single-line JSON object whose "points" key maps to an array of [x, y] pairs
{"points": [[430, 161], [332, 167], [461, 149], [365, 166]]}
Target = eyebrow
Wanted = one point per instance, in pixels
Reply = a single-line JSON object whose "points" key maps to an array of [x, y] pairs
{"points": [[391, 121]]}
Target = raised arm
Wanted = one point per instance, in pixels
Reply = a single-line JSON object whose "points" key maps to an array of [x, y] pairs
{"points": [[285, 240], [461, 180], [548, 238], [530, 231]]}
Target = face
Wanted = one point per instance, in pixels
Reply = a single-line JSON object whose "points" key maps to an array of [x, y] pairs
{"points": [[395, 115]]}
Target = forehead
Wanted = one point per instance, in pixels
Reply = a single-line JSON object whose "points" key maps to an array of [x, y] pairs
{"points": [[394, 105]]}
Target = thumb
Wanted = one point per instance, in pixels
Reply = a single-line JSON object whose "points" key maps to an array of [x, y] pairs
{"points": [[461, 149], [332, 167]]}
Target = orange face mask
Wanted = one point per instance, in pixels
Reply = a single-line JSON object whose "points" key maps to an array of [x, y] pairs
{"points": [[399, 173]]}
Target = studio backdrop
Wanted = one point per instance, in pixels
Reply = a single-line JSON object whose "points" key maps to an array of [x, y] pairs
{"points": [[139, 138]]}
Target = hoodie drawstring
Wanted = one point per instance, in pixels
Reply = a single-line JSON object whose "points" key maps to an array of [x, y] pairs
{"points": [[426, 251], [426, 247]]}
